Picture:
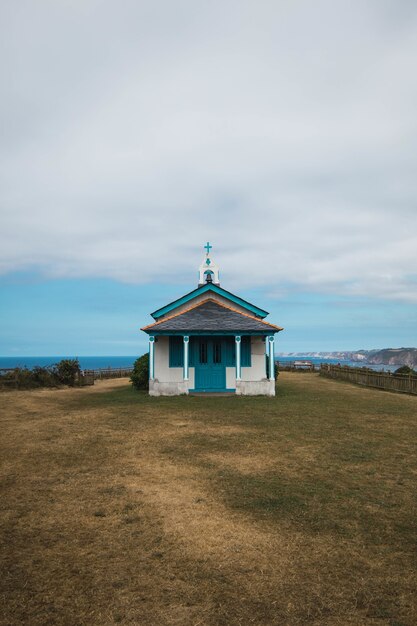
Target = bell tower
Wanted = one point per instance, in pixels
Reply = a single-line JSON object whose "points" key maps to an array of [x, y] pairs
{"points": [[209, 271]]}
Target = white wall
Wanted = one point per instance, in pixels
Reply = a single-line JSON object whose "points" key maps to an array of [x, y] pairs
{"points": [[230, 377], [164, 373], [257, 370]]}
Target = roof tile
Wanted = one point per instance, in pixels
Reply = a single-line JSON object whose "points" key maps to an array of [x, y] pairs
{"points": [[211, 315]]}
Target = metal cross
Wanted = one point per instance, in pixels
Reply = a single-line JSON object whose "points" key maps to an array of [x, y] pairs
{"points": [[208, 247]]}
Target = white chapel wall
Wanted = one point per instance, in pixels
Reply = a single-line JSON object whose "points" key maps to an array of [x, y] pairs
{"points": [[162, 371], [257, 370], [166, 374], [230, 377]]}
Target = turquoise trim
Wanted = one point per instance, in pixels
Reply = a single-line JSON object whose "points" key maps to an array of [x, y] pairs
{"points": [[186, 357], [238, 340], [220, 333], [152, 357], [271, 358], [214, 288]]}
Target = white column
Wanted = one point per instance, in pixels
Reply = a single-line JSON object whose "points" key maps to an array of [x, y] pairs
{"points": [[238, 366], [151, 358], [271, 358], [186, 368]]}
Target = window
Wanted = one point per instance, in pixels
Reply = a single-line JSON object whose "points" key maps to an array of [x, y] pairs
{"points": [[217, 352], [203, 352]]}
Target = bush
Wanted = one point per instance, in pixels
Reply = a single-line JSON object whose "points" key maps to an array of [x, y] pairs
{"points": [[404, 369], [140, 375], [276, 368], [67, 371], [24, 378], [44, 376]]}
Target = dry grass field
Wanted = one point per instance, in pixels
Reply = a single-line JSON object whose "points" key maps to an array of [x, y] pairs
{"points": [[117, 508]]}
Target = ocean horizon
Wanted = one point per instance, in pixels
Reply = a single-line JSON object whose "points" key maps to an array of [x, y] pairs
{"points": [[101, 362], [317, 360], [86, 362]]}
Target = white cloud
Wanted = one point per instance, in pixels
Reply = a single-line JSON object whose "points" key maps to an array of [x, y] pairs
{"points": [[283, 131]]}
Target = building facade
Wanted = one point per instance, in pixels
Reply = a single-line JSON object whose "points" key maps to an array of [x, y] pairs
{"points": [[211, 341]]}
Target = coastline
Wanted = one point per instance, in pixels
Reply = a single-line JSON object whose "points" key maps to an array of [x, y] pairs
{"points": [[102, 362]]}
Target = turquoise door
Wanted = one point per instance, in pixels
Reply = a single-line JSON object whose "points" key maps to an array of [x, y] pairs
{"points": [[210, 364]]}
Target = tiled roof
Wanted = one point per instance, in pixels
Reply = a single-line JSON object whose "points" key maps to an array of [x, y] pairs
{"points": [[211, 316]]}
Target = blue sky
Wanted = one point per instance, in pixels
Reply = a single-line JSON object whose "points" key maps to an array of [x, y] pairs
{"points": [[283, 132], [81, 317]]}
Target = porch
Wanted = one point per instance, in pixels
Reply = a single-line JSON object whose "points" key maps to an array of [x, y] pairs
{"points": [[211, 363]]}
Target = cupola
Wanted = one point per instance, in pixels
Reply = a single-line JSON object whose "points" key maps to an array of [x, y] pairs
{"points": [[209, 271]]}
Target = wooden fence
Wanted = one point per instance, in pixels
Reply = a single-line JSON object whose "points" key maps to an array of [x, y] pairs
{"points": [[8, 378], [403, 383], [109, 372], [297, 366], [84, 379]]}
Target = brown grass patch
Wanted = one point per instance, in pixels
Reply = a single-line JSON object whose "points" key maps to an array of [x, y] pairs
{"points": [[117, 508]]}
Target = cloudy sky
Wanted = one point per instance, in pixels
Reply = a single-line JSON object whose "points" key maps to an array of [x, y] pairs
{"points": [[285, 132]]}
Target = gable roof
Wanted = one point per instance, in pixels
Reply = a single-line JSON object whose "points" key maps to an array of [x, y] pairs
{"points": [[211, 316], [254, 310]]}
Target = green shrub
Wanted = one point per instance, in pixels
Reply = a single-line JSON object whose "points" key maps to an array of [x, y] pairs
{"points": [[140, 375], [44, 376], [276, 368], [404, 369], [67, 371], [24, 378]]}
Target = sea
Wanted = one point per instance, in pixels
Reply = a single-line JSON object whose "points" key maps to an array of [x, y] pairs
{"points": [[102, 362], [318, 360], [86, 362]]}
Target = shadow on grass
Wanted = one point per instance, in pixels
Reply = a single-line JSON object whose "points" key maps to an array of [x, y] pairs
{"points": [[340, 492]]}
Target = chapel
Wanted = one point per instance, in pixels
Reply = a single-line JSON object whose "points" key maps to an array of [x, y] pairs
{"points": [[211, 341]]}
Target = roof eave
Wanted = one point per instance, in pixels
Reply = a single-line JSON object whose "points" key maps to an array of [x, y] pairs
{"points": [[266, 332]]}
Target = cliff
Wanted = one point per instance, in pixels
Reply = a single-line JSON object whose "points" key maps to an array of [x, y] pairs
{"points": [[386, 356], [394, 356]]}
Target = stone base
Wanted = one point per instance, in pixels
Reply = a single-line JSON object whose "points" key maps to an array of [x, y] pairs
{"points": [[263, 387], [157, 388]]}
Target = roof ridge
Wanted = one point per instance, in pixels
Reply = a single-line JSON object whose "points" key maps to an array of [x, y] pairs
{"points": [[195, 306]]}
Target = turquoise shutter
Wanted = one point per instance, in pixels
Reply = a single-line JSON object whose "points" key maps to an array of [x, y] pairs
{"points": [[245, 352], [230, 352], [176, 352], [191, 352]]}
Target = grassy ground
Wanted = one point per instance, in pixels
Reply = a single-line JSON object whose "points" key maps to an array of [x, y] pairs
{"points": [[117, 508]]}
